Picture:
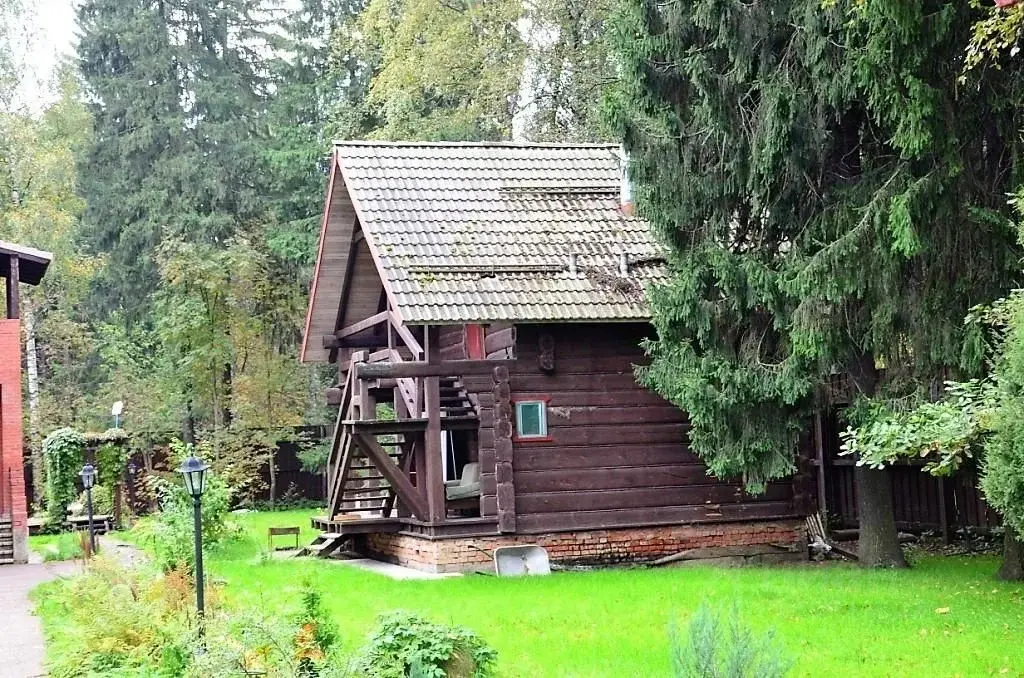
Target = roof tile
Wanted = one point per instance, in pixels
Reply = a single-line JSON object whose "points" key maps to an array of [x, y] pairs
{"points": [[483, 232]]}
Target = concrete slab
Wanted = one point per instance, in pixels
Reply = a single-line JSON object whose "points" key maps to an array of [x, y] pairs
{"points": [[21, 634], [390, 569]]}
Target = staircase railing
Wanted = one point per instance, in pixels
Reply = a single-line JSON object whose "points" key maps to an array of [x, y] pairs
{"points": [[340, 446]]}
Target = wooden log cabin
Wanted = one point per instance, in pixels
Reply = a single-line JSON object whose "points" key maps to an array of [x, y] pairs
{"points": [[484, 304]]}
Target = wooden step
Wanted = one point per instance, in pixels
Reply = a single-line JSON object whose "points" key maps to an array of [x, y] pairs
{"points": [[373, 492]]}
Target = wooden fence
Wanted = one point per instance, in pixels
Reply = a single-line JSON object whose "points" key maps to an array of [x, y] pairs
{"points": [[921, 501]]}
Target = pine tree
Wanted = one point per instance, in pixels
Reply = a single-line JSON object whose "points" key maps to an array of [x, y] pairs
{"points": [[832, 202], [129, 66]]}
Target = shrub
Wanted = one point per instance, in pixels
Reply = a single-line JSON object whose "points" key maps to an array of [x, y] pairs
{"points": [[102, 499], [169, 534], [62, 452], [67, 546], [113, 621], [404, 643], [715, 650]]}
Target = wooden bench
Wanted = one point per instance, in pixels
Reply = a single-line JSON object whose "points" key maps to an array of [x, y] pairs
{"points": [[101, 524], [279, 532]]}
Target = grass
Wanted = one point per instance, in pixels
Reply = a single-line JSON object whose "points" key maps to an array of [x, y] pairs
{"points": [[945, 617], [52, 547]]}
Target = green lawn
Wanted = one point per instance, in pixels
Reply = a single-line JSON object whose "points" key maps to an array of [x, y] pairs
{"points": [[63, 546], [835, 620]]}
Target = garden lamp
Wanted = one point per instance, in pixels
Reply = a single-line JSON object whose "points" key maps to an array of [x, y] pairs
{"points": [[88, 476], [193, 470]]}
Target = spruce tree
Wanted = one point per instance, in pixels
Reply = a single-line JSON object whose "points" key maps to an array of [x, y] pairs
{"points": [[832, 203], [129, 67]]}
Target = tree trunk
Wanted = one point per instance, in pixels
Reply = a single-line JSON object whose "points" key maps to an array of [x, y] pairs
{"points": [[273, 478], [879, 544], [188, 426], [32, 375], [227, 380], [1012, 568]]}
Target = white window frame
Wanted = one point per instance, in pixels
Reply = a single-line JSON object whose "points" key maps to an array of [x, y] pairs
{"points": [[543, 419]]}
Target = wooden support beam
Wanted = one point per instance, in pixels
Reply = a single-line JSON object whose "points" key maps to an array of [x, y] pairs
{"points": [[448, 368], [819, 455], [364, 324], [333, 395], [13, 297], [330, 341], [400, 483], [405, 334], [432, 436]]}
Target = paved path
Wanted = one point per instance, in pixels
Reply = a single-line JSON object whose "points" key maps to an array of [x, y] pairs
{"points": [[21, 635]]}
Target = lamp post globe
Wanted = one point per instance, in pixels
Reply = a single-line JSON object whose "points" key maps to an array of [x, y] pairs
{"points": [[193, 472], [88, 476]]}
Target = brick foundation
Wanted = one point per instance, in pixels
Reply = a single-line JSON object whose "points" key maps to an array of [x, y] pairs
{"points": [[590, 547]]}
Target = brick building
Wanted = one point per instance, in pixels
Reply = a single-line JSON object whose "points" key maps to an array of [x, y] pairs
{"points": [[18, 264]]}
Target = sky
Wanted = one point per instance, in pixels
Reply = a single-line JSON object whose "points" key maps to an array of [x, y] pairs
{"points": [[51, 27]]}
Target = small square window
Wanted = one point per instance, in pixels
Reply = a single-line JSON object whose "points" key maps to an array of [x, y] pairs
{"points": [[531, 419]]}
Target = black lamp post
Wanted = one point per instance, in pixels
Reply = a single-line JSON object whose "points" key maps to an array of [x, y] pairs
{"points": [[193, 470], [88, 475]]}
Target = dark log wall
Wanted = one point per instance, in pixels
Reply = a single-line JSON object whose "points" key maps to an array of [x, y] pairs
{"points": [[617, 454]]}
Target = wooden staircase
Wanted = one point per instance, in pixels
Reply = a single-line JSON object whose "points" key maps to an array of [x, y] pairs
{"points": [[358, 490], [6, 541]]}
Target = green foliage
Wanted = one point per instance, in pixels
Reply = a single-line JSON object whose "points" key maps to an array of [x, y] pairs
{"points": [[62, 451], [317, 633], [1003, 469], [58, 547], [944, 434], [403, 640], [712, 649], [169, 534], [102, 499], [974, 419], [118, 622], [820, 182]]}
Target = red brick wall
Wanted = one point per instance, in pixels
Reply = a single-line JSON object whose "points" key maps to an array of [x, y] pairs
{"points": [[12, 474], [590, 547]]}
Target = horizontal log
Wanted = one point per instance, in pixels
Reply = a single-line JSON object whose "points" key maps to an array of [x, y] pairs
{"points": [[535, 457], [647, 497], [612, 434], [643, 517], [539, 383], [333, 395], [330, 341], [423, 369], [610, 478], [597, 364], [499, 340], [565, 417]]}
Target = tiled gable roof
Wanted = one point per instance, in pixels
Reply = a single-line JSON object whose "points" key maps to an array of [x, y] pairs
{"points": [[484, 232]]}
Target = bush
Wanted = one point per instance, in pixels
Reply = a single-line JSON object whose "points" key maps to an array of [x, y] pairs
{"points": [[111, 621], [405, 644], [102, 499], [713, 650], [67, 546], [169, 534], [62, 452]]}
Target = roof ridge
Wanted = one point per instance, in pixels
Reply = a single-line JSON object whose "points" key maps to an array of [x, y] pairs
{"points": [[476, 144]]}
